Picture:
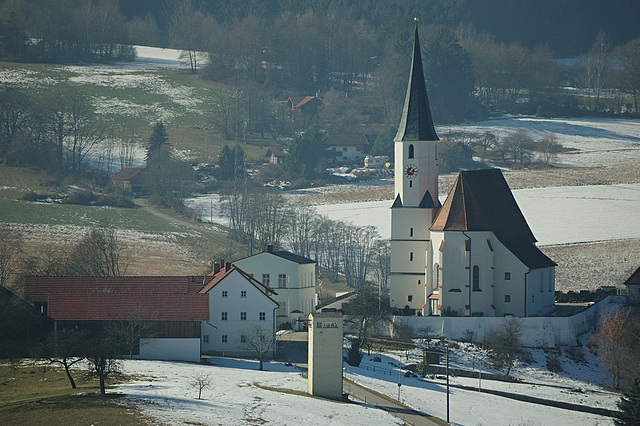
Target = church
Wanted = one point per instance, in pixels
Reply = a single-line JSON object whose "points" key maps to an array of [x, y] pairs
{"points": [[474, 255]]}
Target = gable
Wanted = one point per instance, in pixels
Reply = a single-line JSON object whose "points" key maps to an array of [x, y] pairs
{"points": [[236, 279]]}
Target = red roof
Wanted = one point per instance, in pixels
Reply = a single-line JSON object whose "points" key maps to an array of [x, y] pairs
{"points": [[481, 200], [115, 298], [108, 307], [129, 173], [38, 288]]}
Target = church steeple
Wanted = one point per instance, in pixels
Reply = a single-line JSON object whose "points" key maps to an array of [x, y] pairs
{"points": [[416, 123]]}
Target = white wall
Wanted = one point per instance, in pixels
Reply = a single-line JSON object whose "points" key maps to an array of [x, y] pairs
{"points": [[234, 304], [174, 349], [546, 332]]}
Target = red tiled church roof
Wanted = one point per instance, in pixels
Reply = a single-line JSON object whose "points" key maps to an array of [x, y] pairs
{"points": [[481, 200]]}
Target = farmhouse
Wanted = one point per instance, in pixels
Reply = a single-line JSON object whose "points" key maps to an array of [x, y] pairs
{"points": [[294, 279], [239, 308], [131, 179], [347, 148], [173, 305], [473, 256]]}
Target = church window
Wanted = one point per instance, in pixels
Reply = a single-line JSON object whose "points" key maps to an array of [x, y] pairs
{"points": [[411, 257], [533, 298], [507, 298], [411, 232], [411, 151], [476, 278], [437, 268], [507, 276], [419, 282], [410, 184], [409, 298]]}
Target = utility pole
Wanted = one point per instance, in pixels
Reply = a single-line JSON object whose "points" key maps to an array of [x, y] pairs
{"points": [[447, 382]]}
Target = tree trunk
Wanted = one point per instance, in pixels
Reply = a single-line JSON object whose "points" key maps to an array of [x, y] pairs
{"points": [[73, 383]]}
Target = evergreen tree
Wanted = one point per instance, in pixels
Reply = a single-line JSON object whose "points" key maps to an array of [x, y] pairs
{"points": [[629, 405], [449, 75], [158, 148], [306, 155], [231, 163], [354, 356], [383, 144]]}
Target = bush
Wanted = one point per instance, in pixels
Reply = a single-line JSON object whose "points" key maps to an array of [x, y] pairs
{"points": [[354, 357], [115, 201], [553, 364], [422, 368], [83, 198]]}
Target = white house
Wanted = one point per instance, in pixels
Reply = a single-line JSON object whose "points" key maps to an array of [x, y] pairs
{"points": [[292, 277], [473, 256], [239, 306]]}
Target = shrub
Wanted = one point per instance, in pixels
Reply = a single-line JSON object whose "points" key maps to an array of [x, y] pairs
{"points": [[553, 364], [422, 368]]}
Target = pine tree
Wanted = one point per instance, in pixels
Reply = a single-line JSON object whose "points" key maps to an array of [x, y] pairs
{"points": [[629, 405], [354, 356], [158, 144]]}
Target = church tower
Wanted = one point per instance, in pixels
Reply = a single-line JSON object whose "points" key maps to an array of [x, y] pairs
{"points": [[416, 192]]}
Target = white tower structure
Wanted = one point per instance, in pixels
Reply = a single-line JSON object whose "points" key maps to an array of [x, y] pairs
{"points": [[416, 188], [325, 354]]}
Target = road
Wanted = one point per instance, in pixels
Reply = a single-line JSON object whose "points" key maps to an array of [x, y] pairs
{"points": [[407, 415]]}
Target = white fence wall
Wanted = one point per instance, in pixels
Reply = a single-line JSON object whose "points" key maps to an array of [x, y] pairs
{"points": [[170, 349], [543, 332]]}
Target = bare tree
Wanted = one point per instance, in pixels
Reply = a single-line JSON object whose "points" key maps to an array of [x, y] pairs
{"points": [[366, 312], [100, 253], [101, 359], [616, 341], [138, 324], [598, 67], [504, 343], [11, 242], [65, 347], [259, 340], [200, 381], [189, 33], [548, 148]]}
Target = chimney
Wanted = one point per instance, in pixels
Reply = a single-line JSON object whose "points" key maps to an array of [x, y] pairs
{"points": [[227, 266], [270, 248], [216, 267]]}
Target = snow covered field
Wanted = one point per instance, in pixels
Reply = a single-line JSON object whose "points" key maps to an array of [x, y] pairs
{"points": [[162, 391]]}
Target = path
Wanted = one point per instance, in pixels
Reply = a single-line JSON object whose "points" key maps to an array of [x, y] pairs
{"points": [[406, 414], [142, 203]]}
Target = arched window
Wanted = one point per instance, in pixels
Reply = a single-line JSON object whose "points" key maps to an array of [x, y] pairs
{"points": [[411, 232], [437, 277], [411, 151], [411, 257], [476, 278]]}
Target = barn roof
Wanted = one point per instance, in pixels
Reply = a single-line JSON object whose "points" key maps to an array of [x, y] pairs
{"points": [[634, 279]]}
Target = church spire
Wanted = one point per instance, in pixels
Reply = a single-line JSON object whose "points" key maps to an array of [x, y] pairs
{"points": [[416, 123]]}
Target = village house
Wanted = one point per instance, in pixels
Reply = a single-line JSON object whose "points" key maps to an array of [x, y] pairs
{"points": [[632, 285], [293, 278], [276, 154], [302, 109], [131, 179], [347, 148], [239, 308]]}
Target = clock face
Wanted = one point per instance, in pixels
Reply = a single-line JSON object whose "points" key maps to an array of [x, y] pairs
{"points": [[411, 171]]}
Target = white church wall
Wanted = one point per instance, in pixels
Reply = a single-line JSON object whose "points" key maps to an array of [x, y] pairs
{"points": [[509, 279], [544, 332]]}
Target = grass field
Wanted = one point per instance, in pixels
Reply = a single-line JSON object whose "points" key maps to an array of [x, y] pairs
{"points": [[37, 395]]}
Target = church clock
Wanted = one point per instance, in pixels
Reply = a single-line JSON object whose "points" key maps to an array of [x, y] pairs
{"points": [[410, 171]]}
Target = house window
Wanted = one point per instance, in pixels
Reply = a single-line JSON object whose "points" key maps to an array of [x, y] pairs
{"points": [[223, 316], [507, 276], [263, 316], [533, 298], [205, 338], [475, 276], [243, 316], [224, 338], [282, 309], [266, 280], [243, 293], [224, 293], [282, 280], [409, 298], [345, 149], [507, 298], [243, 338], [411, 151]]}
